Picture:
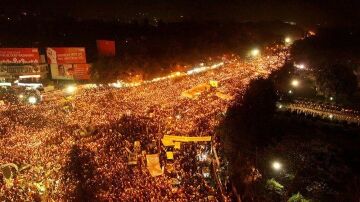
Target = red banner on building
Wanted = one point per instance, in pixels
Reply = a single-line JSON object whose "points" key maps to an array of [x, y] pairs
{"points": [[19, 55], [66, 55], [106, 48]]}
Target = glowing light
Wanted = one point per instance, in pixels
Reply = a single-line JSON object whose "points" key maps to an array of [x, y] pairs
{"points": [[331, 98], [299, 66], [295, 83], [331, 116], [5, 84], [32, 100], [71, 89], [21, 96], [32, 85], [290, 91], [203, 157], [29, 76], [288, 40], [276, 165], [255, 52], [196, 70], [116, 85], [311, 33], [90, 86]]}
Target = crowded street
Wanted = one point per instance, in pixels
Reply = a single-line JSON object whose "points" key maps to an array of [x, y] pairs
{"points": [[96, 127]]}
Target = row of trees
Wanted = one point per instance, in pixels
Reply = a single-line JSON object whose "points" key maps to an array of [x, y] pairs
{"points": [[332, 60], [140, 47], [168, 47], [319, 160]]}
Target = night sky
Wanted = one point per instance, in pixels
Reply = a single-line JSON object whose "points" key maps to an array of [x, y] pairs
{"points": [[302, 12]]}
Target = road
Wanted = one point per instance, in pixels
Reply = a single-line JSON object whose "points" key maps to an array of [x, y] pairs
{"points": [[323, 111], [42, 136]]}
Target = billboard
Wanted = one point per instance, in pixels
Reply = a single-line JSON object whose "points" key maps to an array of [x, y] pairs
{"points": [[62, 71], [70, 71], [15, 69], [19, 55], [81, 71], [106, 48], [66, 55]]}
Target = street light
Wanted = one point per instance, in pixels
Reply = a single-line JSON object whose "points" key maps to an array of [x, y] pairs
{"points": [[295, 83], [276, 165], [32, 100], [255, 52], [70, 89], [300, 66], [288, 40]]}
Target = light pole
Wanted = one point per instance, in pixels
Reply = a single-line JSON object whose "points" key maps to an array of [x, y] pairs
{"points": [[276, 165], [295, 83], [255, 52]]}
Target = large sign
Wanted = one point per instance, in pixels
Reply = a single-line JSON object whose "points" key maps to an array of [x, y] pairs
{"points": [[70, 71], [23, 69], [66, 55], [19, 55], [106, 48], [81, 71]]}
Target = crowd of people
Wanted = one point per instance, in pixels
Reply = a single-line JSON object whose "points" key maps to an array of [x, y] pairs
{"points": [[329, 111], [78, 148]]}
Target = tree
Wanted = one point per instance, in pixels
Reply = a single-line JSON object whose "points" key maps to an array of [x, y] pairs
{"points": [[336, 79], [243, 130]]}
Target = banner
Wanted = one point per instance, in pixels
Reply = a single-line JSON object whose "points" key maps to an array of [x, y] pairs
{"points": [[16, 69], [19, 55], [167, 142], [62, 72], [106, 48], [196, 91], [185, 138], [66, 55], [177, 145], [70, 71], [153, 164], [170, 155], [81, 71]]}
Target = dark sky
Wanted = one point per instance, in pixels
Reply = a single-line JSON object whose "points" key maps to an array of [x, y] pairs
{"points": [[301, 11]]}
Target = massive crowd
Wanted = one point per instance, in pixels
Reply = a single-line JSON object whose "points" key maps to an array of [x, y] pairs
{"points": [[78, 148]]}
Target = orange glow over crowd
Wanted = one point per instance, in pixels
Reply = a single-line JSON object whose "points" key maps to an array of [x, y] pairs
{"points": [[62, 147]]}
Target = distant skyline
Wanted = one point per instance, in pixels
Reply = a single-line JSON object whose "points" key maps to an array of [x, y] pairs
{"points": [[303, 12]]}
